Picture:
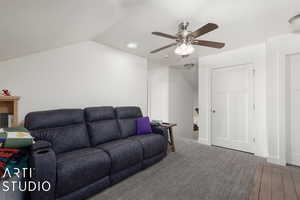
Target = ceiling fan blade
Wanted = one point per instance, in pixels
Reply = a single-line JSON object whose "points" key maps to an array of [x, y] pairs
{"points": [[164, 35], [204, 29], [212, 44], [164, 47]]}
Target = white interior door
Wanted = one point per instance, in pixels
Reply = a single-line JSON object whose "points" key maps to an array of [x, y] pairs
{"points": [[232, 107], [293, 143]]}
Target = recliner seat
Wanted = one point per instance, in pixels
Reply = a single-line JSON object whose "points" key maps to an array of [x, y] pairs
{"points": [[81, 152]]}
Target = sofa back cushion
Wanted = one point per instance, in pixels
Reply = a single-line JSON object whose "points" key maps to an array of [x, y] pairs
{"points": [[65, 129], [102, 124], [127, 119]]}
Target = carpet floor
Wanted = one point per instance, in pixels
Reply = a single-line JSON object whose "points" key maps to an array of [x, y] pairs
{"points": [[193, 172]]}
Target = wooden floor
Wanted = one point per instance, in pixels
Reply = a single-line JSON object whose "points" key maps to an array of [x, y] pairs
{"points": [[274, 182]]}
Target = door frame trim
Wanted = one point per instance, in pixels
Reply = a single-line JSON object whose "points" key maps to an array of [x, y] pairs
{"points": [[283, 63], [209, 100], [280, 59]]}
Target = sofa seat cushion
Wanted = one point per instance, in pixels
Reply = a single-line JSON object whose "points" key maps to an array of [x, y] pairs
{"points": [[153, 144], [124, 153], [79, 168]]}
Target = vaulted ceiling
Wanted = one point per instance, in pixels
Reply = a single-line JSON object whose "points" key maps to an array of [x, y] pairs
{"points": [[36, 25]]}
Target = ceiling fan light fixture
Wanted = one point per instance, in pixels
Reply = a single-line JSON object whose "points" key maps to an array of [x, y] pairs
{"points": [[185, 39], [295, 23], [184, 49]]}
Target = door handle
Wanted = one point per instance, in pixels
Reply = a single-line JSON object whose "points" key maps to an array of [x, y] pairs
{"points": [[213, 111]]}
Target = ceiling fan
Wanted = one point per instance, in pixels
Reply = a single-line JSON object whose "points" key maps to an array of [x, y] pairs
{"points": [[185, 39], [187, 66]]}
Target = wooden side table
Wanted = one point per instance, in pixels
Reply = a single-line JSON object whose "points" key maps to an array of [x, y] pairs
{"points": [[170, 126]]}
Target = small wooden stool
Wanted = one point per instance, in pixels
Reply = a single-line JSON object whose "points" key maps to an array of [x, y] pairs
{"points": [[170, 126]]}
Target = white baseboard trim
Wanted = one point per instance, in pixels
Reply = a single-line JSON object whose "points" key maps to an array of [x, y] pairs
{"points": [[276, 161], [261, 153], [203, 141]]}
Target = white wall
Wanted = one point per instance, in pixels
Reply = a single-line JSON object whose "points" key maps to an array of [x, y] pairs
{"points": [[158, 91], [76, 76], [278, 49], [255, 55], [181, 101]]}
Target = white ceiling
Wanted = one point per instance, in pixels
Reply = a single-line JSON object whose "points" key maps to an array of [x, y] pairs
{"points": [[36, 25]]}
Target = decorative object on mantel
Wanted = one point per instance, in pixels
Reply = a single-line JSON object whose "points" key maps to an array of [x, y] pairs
{"points": [[6, 93], [9, 105]]}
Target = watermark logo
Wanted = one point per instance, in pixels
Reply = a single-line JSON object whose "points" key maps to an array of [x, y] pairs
{"points": [[21, 184]]}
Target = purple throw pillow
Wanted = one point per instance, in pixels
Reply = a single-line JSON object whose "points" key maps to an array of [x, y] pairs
{"points": [[143, 125]]}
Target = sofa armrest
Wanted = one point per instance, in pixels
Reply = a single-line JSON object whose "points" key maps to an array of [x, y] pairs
{"points": [[41, 144], [159, 129], [43, 163]]}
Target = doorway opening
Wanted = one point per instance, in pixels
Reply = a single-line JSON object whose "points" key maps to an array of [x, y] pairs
{"points": [[293, 110], [196, 122], [184, 99]]}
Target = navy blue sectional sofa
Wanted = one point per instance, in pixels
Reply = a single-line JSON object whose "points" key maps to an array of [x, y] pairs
{"points": [[81, 152]]}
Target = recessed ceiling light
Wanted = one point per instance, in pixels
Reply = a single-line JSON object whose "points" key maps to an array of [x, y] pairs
{"points": [[132, 45]]}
